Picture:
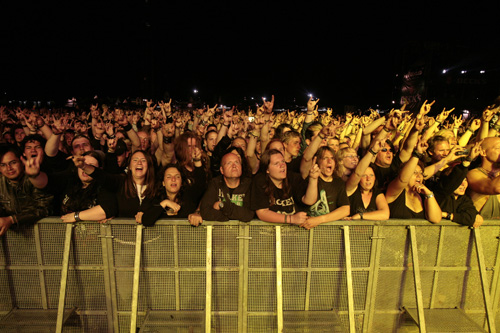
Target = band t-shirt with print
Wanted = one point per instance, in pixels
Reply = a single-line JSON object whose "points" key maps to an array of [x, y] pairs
{"points": [[283, 203], [331, 195]]}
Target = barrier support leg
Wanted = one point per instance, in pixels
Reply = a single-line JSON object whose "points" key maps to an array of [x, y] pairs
{"points": [[418, 282], [348, 272], [64, 278], [135, 287], [484, 280], [279, 280], [208, 299]]}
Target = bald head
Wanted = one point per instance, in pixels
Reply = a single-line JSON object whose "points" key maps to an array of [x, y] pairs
{"points": [[490, 142], [491, 152]]}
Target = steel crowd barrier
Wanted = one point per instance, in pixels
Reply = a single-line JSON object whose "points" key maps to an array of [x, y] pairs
{"points": [[250, 277]]}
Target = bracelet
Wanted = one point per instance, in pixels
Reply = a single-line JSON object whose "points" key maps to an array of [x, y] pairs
{"points": [[438, 122], [417, 155], [310, 113], [196, 160], [361, 215], [448, 217], [253, 134], [322, 136], [386, 129], [227, 125], [127, 128], [428, 196], [372, 152], [470, 130], [34, 176], [77, 217]]}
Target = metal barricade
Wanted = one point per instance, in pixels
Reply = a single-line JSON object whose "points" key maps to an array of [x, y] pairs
{"points": [[250, 277]]}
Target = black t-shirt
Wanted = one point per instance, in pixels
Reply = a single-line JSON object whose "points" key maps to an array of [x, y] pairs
{"points": [[331, 195], [385, 175], [283, 203], [356, 201]]}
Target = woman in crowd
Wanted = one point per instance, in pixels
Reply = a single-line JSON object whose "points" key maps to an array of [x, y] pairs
{"points": [[278, 196], [407, 195], [135, 192], [367, 202], [346, 159], [175, 196]]}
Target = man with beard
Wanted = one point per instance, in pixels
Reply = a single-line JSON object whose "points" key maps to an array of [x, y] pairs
{"points": [[22, 201]]}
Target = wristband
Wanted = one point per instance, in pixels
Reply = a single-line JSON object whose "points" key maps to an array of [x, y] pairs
{"points": [[361, 215], [386, 129], [227, 125], [438, 122], [470, 130], [127, 128], [417, 155], [196, 160], [77, 217], [372, 152], [428, 196], [448, 217], [34, 176], [322, 136], [167, 140]]}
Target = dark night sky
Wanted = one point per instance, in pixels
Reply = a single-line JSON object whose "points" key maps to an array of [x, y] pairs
{"points": [[342, 53]]}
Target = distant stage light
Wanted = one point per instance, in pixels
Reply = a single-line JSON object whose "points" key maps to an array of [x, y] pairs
{"points": [[482, 72], [444, 71], [463, 72]]}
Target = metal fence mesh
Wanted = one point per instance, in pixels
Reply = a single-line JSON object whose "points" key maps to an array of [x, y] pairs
{"points": [[172, 278]]}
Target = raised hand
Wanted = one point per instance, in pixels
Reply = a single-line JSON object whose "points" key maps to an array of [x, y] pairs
{"points": [[443, 115], [268, 105], [312, 105], [425, 108], [314, 172]]}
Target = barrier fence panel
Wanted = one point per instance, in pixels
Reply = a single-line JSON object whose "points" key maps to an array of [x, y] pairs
{"points": [[252, 277]]}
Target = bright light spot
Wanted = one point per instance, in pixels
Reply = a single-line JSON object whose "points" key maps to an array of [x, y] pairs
{"points": [[463, 72], [310, 95], [393, 102], [482, 72], [195, 91], [444, 71], [264, 98]]}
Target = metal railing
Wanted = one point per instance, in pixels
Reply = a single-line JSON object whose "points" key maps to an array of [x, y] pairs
{"points": [[250, 277]]}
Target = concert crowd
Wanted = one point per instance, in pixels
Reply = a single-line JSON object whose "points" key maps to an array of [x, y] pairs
{"points": [[300, 167]]}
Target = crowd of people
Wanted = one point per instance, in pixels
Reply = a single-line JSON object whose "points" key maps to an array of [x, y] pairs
{"points": [[217, 164]]}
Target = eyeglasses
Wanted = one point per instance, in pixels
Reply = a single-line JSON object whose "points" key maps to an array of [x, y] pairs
{"points": [[385, 150], [352, 156]]}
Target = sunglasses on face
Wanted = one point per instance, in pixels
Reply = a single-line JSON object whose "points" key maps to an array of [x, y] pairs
{"points": [[385, 150]]}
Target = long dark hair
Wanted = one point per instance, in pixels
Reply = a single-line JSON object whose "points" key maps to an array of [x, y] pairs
{"points": [[78, 197], [161, 188], [130, 189], [265, 160]]}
